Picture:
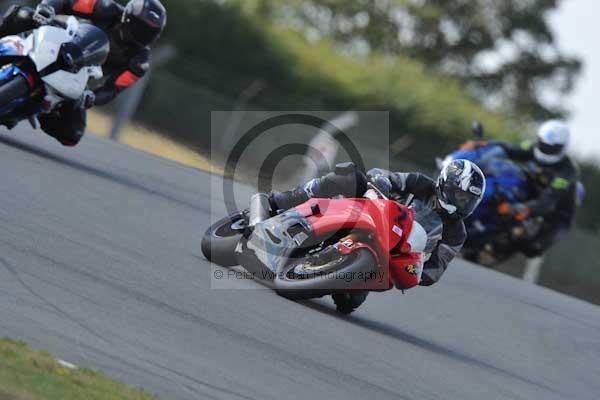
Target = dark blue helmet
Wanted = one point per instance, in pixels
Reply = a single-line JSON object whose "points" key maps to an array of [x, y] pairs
{"points": [[143, 21]]}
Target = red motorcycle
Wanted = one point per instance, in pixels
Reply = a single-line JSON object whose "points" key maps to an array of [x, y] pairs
{"points": [[328, 245]]}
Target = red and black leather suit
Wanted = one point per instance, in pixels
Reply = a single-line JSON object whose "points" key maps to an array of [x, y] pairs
{"points": [[126, 64]]}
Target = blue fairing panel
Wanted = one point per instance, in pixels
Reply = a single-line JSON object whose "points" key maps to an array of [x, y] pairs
{"points": [[8, 72]]}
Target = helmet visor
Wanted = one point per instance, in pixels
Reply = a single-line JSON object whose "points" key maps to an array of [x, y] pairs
{"points": [[140, 32], [550, 149], [465, 202], [93, 45]]}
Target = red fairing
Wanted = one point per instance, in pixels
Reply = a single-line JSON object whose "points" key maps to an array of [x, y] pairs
{"points": [[389, 222], [406, 269], [339, 214], [84, 6]]}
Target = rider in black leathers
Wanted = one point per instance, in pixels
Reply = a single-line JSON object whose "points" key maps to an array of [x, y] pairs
{"points": [[553, 177], [454, 196], [131, 30]]}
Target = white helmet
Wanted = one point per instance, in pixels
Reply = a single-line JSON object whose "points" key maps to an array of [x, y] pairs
{"points": [[552, 141]]}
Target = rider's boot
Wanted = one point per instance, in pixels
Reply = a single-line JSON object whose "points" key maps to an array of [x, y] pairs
{"points": [[346, 181]]}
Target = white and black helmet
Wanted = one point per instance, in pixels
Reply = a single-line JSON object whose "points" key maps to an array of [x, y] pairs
{"points": [[552, 141], [460, 187]]}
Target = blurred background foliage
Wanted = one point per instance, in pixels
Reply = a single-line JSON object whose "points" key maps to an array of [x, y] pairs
{"points": [[241, 45], [503, 50]]}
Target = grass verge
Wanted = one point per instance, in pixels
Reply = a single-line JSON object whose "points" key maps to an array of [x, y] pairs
{"points": [[32, 375]]}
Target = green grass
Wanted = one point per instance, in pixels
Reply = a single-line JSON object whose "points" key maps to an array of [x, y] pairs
{"points": [[32, 375]]}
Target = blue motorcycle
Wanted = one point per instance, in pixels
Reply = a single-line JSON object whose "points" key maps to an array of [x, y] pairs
{"points": [[491, 235]]}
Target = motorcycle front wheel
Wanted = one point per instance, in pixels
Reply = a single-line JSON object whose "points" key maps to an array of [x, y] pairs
{"points": [[13, 89], [221, 238], [303, 278]]}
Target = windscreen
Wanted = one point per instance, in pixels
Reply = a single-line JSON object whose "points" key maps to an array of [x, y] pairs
{"points": [[430, 221], [93, 45], [503, 167]]}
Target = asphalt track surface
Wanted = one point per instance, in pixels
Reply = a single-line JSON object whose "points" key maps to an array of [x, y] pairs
{"points": [[100, 264]]}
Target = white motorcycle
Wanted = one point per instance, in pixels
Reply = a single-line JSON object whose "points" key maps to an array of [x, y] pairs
{"points": [[48, 66]]}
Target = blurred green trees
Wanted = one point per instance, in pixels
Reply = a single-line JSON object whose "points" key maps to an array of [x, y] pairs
{"points": [[504, 50], [226, 46]]}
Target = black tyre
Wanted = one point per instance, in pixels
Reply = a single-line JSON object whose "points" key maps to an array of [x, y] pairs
{"points": [[220, 240], [294, 283], [348, 302], [15, 88]]}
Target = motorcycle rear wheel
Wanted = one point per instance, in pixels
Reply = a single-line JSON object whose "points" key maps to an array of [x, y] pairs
{"points": [[221, 238], [302, 287]]}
